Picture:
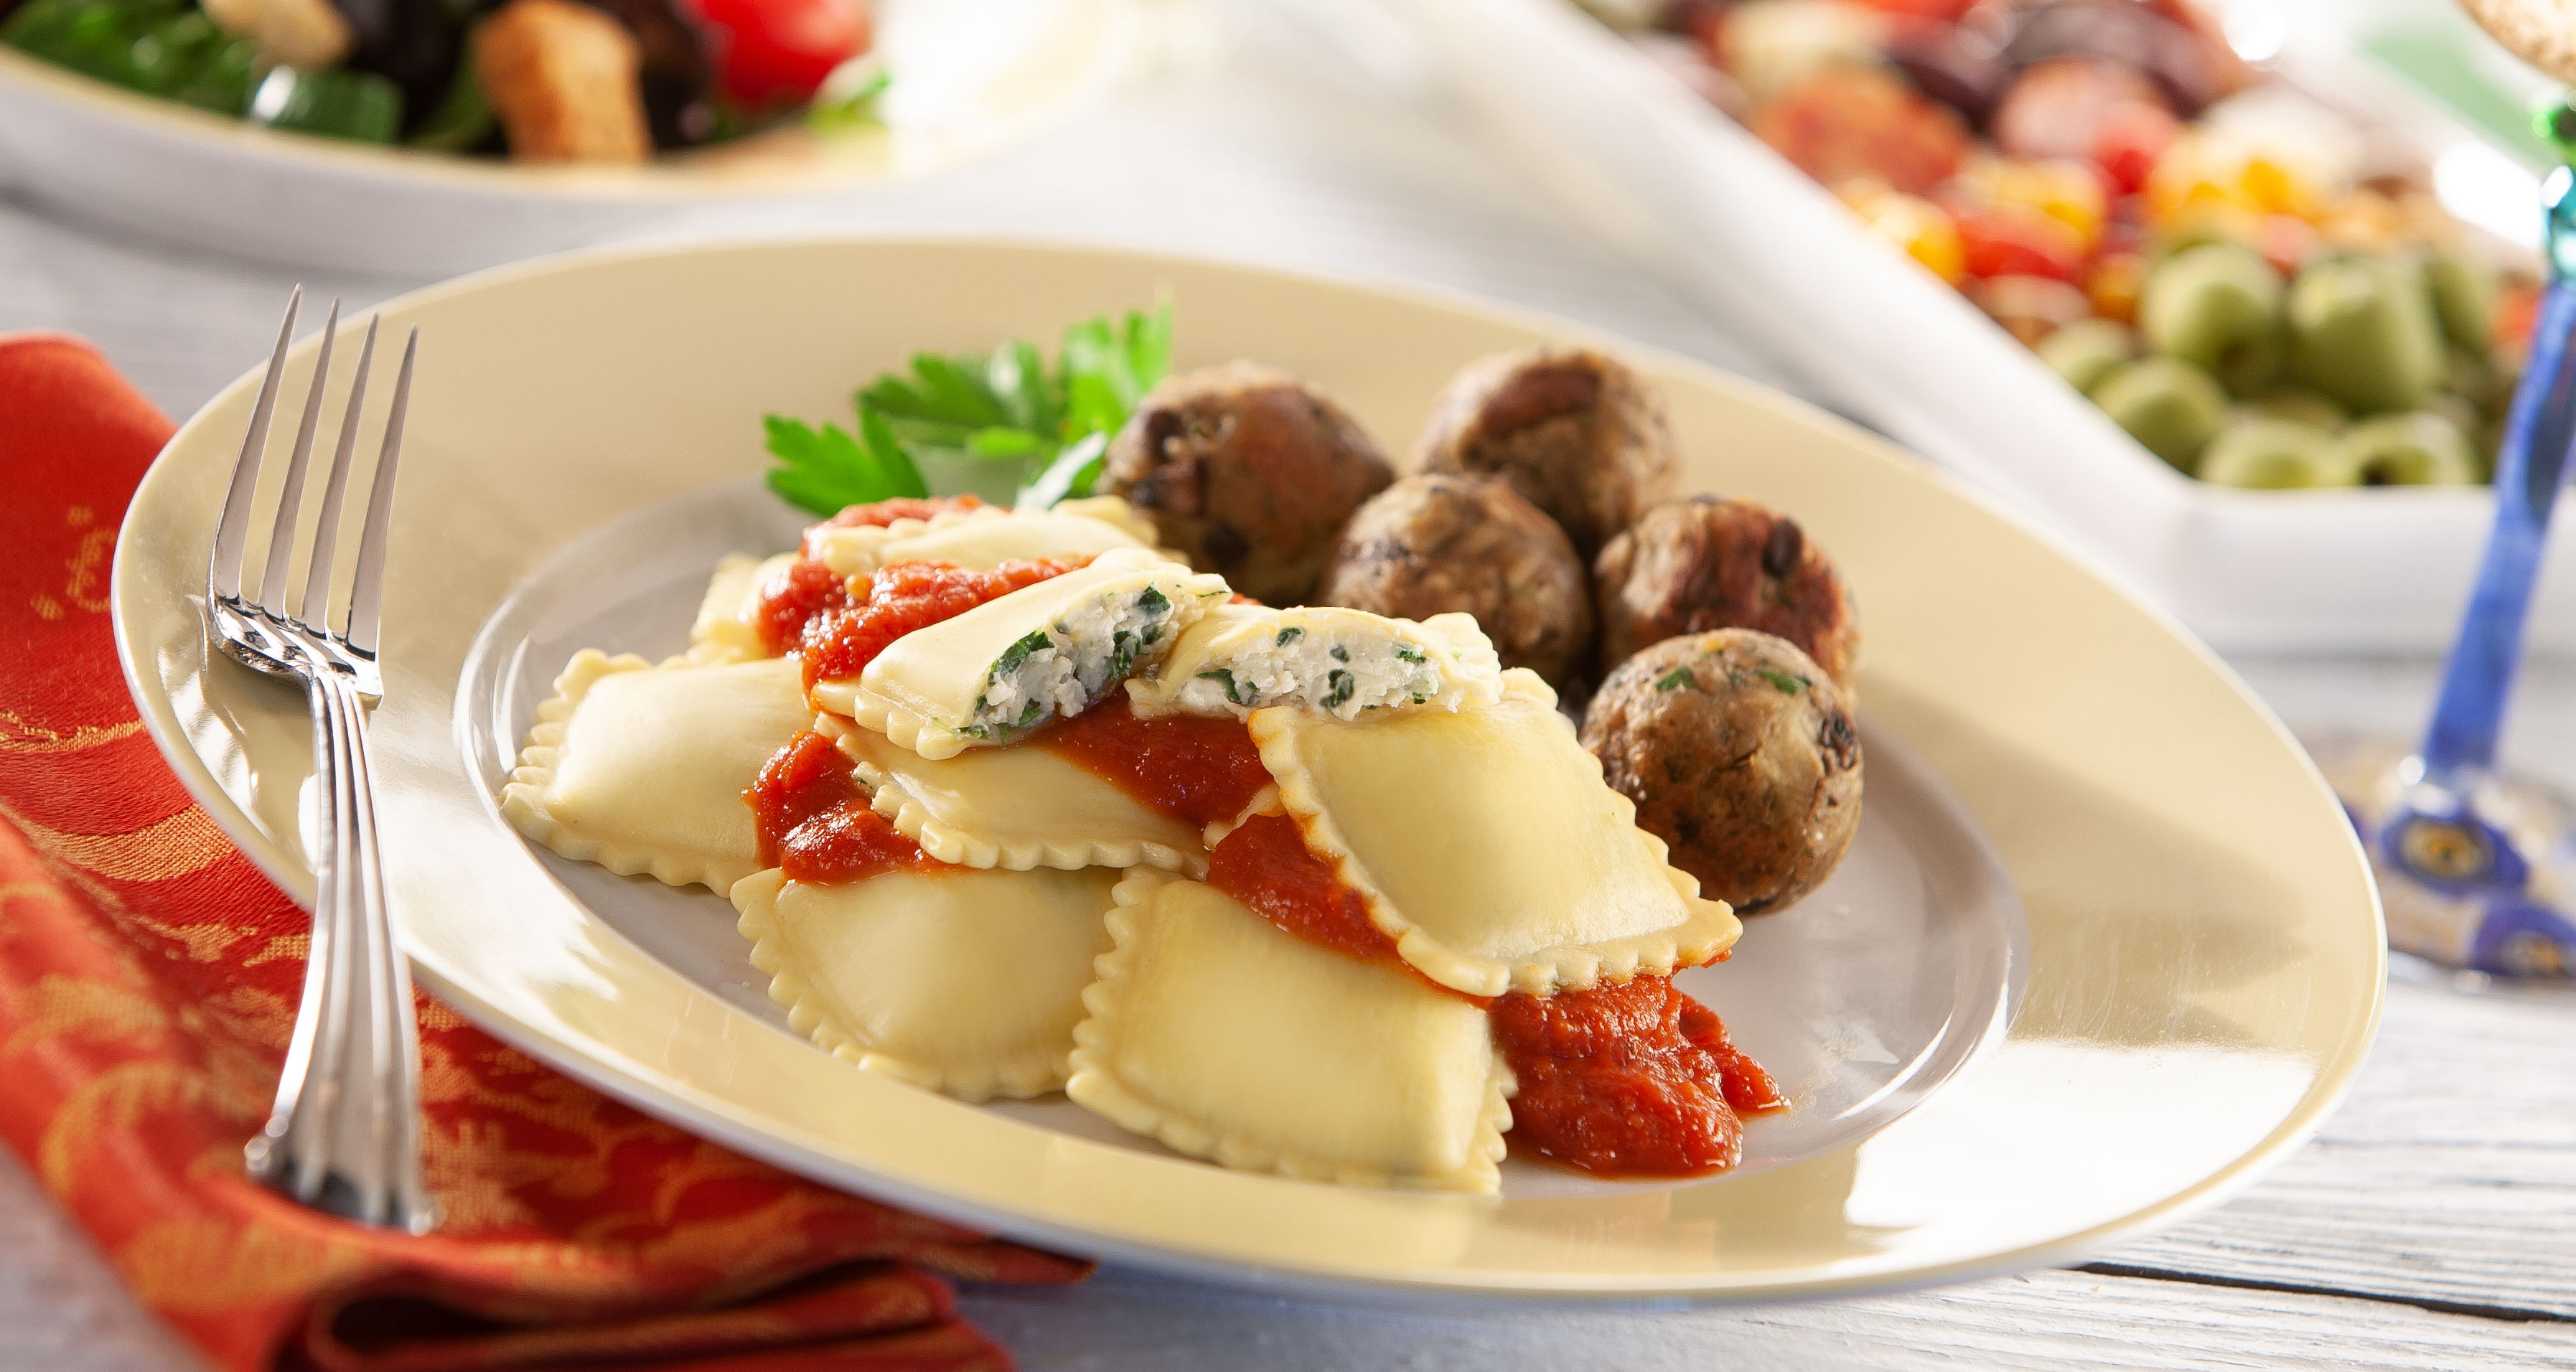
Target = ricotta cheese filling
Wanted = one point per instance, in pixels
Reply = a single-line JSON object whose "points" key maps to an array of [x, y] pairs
{"points": [[1338, 662], [1062, 668]]}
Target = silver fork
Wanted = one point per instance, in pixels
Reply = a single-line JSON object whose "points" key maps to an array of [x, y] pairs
{"points": [[344, 1135]]}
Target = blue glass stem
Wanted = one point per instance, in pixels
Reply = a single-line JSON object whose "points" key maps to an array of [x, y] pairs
{"points": [[2530, 467]]}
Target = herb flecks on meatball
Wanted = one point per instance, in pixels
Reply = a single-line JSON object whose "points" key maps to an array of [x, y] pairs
{"points": [[1580, 434], [1713, 563], [1247, 470], [1740, 753], [1434, 543]]}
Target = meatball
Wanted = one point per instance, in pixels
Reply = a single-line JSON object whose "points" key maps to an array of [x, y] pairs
{"points": [[1249, 471], [1434, 543], [1713, 563], [1580, 434], [1741, 755]]}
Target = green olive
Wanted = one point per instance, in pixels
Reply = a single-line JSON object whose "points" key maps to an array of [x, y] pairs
{"points": [[2455, 408], [2087, 350], [2417, 449], [2362, 331], [2267, 454], [2463, 293], [2307, 407], [2167, 404], [2218, 307]]}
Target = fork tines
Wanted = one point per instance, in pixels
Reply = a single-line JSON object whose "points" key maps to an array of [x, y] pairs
{"points": [[357, 626]]}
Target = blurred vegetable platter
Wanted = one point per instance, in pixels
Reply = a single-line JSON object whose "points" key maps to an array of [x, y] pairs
{"points": [[2261, 292], [548, 81]]}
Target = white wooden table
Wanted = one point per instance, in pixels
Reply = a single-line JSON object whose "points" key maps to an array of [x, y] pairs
{"points": [[2431, 1225]]}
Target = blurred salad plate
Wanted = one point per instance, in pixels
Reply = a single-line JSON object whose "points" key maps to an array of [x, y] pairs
{"points": [[522, 127]]}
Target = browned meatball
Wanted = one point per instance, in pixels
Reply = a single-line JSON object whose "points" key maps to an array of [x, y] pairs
{"points": [[1430, 544], [1580, 434], [1740, 753], [1713, 563], [1248, 470]]}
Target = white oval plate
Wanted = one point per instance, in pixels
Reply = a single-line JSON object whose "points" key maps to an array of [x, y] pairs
{"points": [[2203, 945]]}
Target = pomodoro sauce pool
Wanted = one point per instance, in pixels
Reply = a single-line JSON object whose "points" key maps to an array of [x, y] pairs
{"points": [[1629, 1080], [1265, 865], [838, 633], [1192, 768], [815, 822]]}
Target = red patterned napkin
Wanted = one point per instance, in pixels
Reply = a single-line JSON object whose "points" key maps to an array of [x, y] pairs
{"points": [[148, 978]]}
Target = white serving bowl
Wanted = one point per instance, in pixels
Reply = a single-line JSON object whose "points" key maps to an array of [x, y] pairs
{"points": [[970, 76], [1625, 142]]}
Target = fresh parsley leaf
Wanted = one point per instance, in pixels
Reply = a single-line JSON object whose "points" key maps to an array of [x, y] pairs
{"points": [[1007, 406], [1789, 685], [825, 469], [1152, 601], [1071, 476], [1406, 652], [1678, 679], [1289, 635], [1342, 684], [842, 111], [1340, 653]]}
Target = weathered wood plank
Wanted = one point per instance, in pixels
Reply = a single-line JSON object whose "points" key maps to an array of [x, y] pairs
{"points": [[2045, 1322]]}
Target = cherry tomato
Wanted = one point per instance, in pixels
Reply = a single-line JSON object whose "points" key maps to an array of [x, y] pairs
{"points": [[776, 52], [2013, 240], [2128, 143]]}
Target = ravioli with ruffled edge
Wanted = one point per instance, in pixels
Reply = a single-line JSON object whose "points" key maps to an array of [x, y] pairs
{"points": [[1053, 934]]}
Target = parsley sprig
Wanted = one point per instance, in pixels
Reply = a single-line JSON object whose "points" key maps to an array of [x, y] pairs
{"points": [[1053, 423]]}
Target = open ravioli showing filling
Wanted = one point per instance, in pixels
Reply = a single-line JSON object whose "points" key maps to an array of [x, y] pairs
{"points": [[980, 540], [1488, 847], [1215, 1032], [641, 768], [1242, 658], [960, 981], [1018, 808], [1009, 664], [727, 628]]}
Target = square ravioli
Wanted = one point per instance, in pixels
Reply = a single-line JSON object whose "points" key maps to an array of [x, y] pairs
{"points": [[727, 628], [641, 769], [1018, 807], [1488, 846], [1000, 669], [957, 980], [981, 539], [1224, 1037]]}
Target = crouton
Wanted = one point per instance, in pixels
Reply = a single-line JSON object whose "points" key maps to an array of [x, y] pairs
{"points": [[563, 78]]}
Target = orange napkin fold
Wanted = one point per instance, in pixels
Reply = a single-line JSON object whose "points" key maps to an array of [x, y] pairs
{"points": [[148, 979]]}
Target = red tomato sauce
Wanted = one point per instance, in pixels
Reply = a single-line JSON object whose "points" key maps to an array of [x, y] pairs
{"points": [[815, 821], [1628, 1080], [792, 597], [1194, 769], [1265, 865], [838, 633]]}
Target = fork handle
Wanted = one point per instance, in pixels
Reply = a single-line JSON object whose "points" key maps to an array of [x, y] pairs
{"points": [[344, 1135]]}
